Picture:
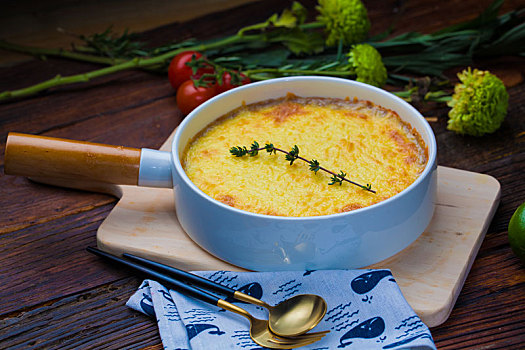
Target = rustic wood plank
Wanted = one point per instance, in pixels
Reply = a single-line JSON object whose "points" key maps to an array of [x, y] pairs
{"points": [[70, 323], [35, 23], [48, 261], [82, 306]]}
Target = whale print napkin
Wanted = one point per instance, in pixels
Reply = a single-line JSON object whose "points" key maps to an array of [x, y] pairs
{"points": [[366, 310]]}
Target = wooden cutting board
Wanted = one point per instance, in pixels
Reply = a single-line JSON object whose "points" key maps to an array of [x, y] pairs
{"points": [[430, 272]]}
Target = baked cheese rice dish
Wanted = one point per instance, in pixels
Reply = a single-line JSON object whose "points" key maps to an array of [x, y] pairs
{"points": [[369, 143]]}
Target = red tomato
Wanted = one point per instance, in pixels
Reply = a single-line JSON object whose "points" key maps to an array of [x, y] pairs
{"points": [[179, 71], [227, 82], [189, 96]]}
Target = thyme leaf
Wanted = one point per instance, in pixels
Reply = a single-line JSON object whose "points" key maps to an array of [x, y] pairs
{"points": [[238, 151], [292, 155], [314, 166], [338, 179], [254, 149]]}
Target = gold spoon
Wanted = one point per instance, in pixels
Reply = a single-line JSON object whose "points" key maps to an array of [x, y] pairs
{"points": [[293, 316], [290, 317], [261, 334], [259, 331]]}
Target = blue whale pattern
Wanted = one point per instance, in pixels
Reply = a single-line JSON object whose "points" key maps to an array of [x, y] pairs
{"points": [[368, 329], [146, 305], [366, 282], [194, 329], [403, 342], [166, 296]]}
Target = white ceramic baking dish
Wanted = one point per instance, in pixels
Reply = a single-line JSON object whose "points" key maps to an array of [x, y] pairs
{"points": [[262, 242]]}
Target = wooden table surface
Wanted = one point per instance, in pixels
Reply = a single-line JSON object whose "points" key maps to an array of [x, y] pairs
{"points": [[55, 295]]}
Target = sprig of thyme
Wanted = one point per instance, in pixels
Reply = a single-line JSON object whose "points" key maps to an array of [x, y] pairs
{"points": [[292, 156]]}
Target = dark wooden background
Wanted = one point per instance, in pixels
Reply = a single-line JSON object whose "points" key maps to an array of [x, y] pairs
{"points": [[55, 295]]}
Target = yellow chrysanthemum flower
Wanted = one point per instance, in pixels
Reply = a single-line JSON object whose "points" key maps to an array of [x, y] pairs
{"points": [[367, 64], [344, 19], [479, 103]]}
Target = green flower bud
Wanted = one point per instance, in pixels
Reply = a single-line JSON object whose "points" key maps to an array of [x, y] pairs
{"points": [[479, 103], [367, 64], [343, 19]]}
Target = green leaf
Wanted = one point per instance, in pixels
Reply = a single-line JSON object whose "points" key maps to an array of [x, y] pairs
{"points": [[510, 43], [238, 151], [335, 180], [271, 58], [425, 63], [270, 148], [292, 155], [299, 11], [367, 187], [287, 19], [254, 149], [488, 15], [338, 179], [314, 166], [110, 44], [298, 41]]}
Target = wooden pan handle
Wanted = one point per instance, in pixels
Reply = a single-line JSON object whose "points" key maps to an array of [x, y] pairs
{"points": [[61, 159]]}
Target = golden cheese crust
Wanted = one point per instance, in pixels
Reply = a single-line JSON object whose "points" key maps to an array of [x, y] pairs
{"points": [[369, 143]]}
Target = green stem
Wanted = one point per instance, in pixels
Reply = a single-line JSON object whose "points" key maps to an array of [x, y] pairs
{"points": [[134, 63], [37, 51], [263, 25], [255, 73], [435, 96], [312, 25], [257, 77]]}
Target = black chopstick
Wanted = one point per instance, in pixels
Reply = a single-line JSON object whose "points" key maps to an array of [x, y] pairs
{"points": [[182, 275], [160, 277]]}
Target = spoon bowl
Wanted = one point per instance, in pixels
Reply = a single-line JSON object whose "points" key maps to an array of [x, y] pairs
{"points": [[297, 315], [262, 335]]}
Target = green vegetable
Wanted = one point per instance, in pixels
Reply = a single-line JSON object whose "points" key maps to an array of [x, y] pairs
{"points": [[516, 232], [344, 20], [367, 64], [287, 45], [479, 103]]}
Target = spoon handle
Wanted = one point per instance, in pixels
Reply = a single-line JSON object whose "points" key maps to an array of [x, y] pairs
{"points": [[183, 275]]}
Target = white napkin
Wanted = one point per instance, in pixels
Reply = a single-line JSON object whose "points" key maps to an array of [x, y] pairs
{"points": [[366, 310]]}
